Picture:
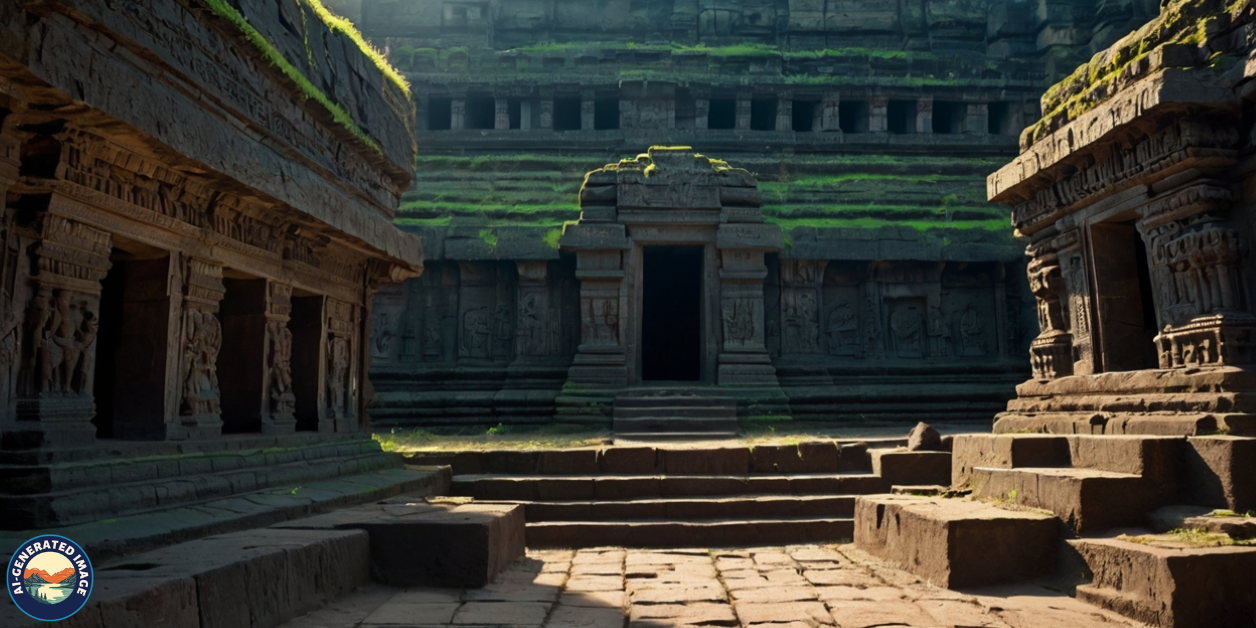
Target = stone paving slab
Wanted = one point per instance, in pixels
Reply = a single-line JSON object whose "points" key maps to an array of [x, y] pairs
{"points": [[773, 587]]}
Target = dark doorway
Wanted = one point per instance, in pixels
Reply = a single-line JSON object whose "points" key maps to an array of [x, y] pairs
{"points": [[481, 112], [671, 326], [852, 116], [901, 117], [948, 117], [606, 114], [722, 114], [567, 113], [804, 115], [763, 114], [241, 363], [308, 335], [108, 339], [439, 114], [1123, 294]]}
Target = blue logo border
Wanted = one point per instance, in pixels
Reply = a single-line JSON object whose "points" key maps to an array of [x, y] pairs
{"points": [[90, 570]]}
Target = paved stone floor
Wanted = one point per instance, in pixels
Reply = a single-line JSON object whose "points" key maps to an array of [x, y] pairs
{"points": [[780, 587]]}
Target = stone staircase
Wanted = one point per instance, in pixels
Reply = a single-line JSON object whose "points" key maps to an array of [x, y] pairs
{"points": [[66, 487], [1104, 492], [674, 412], [676, 496]]}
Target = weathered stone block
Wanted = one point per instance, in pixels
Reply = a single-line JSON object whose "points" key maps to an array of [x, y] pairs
{"points": [[912, 467], [1005, 451], [941, 539], [1221, 471], [717, 460], [463, 546], [1200, 587]]}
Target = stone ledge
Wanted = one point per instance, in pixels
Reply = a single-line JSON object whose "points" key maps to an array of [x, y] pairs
{"points": [[937, 539]]}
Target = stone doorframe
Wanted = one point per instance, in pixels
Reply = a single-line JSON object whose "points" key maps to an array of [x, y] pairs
{"points": [[671, 196]]}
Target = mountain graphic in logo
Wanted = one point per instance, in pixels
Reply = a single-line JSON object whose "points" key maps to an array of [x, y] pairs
{"points": [[49, 577]]}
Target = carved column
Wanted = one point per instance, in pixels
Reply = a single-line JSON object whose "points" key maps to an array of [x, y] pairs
{"points": [[588, 106], [743, 357], [743, 111], [1051, 353], [458, 113], [878, 114], [701, 113], [501, 111], [924, 115], [800, 306], [785, 112], [1079, 315], [60, 321], [342, 374], [977, 119], [830, 116], [199, 411], [279, 415], [546, 118]]}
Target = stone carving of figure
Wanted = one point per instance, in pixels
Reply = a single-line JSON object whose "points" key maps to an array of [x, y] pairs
{"points": [[738, 315], [905, 324], [971, 332], [84, 338], [282, 398], [802, 330], [433, 341], [10, 346], [475, 332], [939, 333], [843, 330], [384, 336], [502, 331], [202, 340], [531, 332], [39, 323], [338, 377], [871, 329]]}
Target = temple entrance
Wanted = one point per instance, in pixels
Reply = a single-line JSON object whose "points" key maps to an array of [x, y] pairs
{"points": [[1123, 291], [671, 326]]}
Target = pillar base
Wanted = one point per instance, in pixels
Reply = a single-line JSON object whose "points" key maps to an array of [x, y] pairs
{"points": [[195, 427], [279, 424]]}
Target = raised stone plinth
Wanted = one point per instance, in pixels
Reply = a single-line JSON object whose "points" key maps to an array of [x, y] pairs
{"points": [[1170, 584], [955, 542], [905, 468], [414, 542], [1221, 471]]}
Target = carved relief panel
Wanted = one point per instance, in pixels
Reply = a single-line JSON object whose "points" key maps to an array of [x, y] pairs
{"points": [[200, 395], [800, 305], [280, 396], [342, 364]]}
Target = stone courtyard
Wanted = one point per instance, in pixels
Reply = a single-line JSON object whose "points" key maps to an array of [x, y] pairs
{"points": [[628, 313], [790, 586]]}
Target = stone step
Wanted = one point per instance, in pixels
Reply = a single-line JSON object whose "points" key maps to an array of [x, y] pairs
{"points": [[1159, 459], [1087, 500], [1169, 583], [956, 543], [638, 438], [622, 487], [689, 533], [111, 538], [647, 459], [153, 494], [670, 424], [56, 476], [667, 407], [742, 506]]}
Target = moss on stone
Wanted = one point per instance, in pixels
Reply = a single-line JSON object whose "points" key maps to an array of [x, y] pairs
{"points": [[268, 51]]}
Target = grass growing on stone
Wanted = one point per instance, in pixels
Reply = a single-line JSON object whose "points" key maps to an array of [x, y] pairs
{"points": [[346, 28], [1188, 537], [273, 56], [495, 437]]}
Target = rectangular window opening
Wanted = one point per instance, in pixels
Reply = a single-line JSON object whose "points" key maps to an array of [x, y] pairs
{"points": [[901, 117], [763, 114], [481, 112], [948, 117], [722, 114], [439, 114], [852, 116], [804, 115], [606, 114]]}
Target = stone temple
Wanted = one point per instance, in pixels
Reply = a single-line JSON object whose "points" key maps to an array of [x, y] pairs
{"points": [[629, 313]]}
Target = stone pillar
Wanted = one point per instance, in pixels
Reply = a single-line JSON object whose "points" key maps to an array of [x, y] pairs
{"points": [[701, 113], [924, 115], [830, 112], [743, 357], [52, 329], [977, 119], [458, 113], [343, 377], [547, 110], [1079, 317], [199, 410], [588, 104], [878, 114], [501, 110], [525, 115], [800, 306], [785, 112], [279, 415], [743, 111]]}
